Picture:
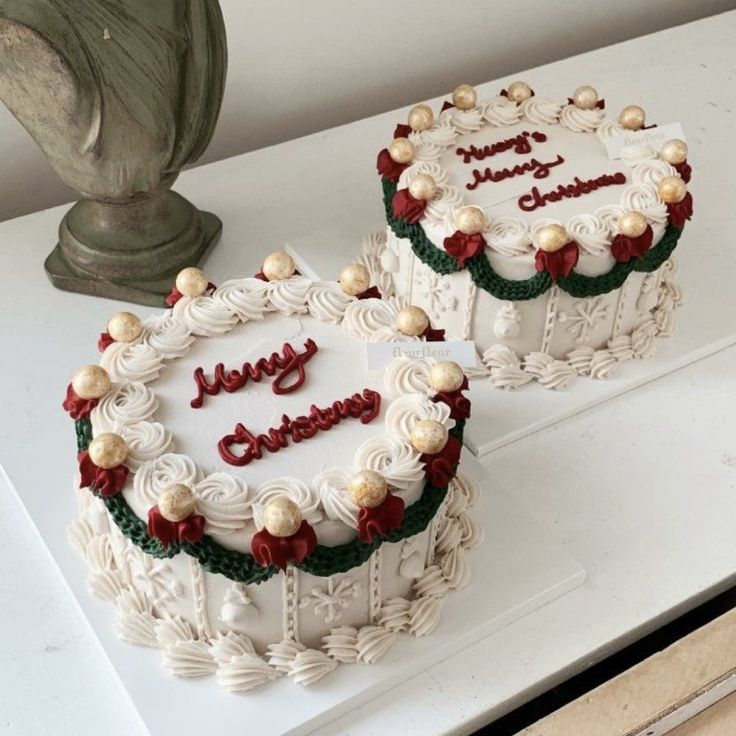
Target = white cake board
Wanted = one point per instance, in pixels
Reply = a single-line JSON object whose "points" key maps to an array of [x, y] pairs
{"points": [[706, 273], [517, 570]]}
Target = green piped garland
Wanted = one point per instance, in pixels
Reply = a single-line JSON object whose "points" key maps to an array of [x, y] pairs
{"points": [[486, 278], [240, 566]]}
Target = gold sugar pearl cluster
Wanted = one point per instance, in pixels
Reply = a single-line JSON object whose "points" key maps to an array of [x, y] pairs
{"points": [[429, 436], [671, 189], [470, 220], [674, 152], [519, 92], [551, 238], [176, 502], [412, 321], [585, 97], [282, 517], [108, 450], [91, 382], [632, 117], [368, 489], [446, 376], [124, 327], [354, 279], [191, 282], [278, 266], [401, 150], [423, 186]]}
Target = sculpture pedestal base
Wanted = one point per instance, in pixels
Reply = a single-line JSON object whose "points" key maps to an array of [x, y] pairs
{"points": [[64, 275]]}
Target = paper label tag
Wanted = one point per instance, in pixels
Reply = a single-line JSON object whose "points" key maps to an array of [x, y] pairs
{"points": [[655, 137], [380, 354]]}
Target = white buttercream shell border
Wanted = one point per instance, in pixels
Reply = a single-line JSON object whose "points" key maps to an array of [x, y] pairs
{"points": [[231, 656], [511, 237]]}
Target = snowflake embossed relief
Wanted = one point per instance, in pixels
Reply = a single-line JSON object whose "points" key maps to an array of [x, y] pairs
{"points": [[586, 316], [438, 293], [331, 602]]}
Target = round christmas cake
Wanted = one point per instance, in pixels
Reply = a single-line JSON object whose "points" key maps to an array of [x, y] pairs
{"points": [[254, 501]]}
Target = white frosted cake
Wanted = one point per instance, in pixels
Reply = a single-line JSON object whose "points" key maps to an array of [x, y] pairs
{"points": [[511, 226], [253, 501]]}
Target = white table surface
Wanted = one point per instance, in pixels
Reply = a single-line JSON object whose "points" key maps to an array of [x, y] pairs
{"points": [[641, 489]]}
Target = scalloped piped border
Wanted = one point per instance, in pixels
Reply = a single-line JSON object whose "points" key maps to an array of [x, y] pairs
{"points": [[484, 277], [240, 566]]}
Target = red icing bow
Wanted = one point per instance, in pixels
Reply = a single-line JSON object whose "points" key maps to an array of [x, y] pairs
{"points": [[269, 550], [601, 104], [432, 335], [504, 92], [387, 167], [680, 212], [459, 404], [440, 467], [623, 248], [447, 105], [190, 529], [379, 521], [106, 482], [685, 171], [77, 407], [402, 130], [559, 263], [174, 295], [463, 247], [372, 292], [104, 341], [262, 276], [407, 207]]}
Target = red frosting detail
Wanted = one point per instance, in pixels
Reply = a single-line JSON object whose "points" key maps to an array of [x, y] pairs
{"points": [[174, 295], [387, 167], [284, 364], [519, 143], [407, 207], [685, 171], [365, 406], [262, 276], [77, 407], [601, 104], [680, 212], [381, 520], [269, 550], [458, 403], [441, 467], [104, 341], [559, 263], [530, 202], [167, 532], [402, 130], [432, 335], [463, 247], [447, 105], [623, 248], [371, 293], [107, 482], [538, 169]]}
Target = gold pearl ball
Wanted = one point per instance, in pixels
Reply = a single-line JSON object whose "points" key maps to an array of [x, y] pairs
{"points": [[124, 327], [401, 150], [282, 517], [368, 489], [519, 91], [551, 238], [585, 97], [176, 502], [429, 436], [632, 117], [446, 376], [412, 321], [278, 266], [354, 279], [632, 224], [191, 282], [423, 186], [470, 220], [421, 118], [108, 450], [671, 189], [91, 382], [674, 152], [464, 97]]}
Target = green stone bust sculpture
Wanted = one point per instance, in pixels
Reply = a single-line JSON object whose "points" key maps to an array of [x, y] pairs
{"points": [[120, 95]]}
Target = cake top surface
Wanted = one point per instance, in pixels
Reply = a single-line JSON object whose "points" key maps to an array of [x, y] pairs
{"points": [[525, 162]]}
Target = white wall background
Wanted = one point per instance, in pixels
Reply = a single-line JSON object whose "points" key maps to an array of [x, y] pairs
{"points": [[298, 66]]}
